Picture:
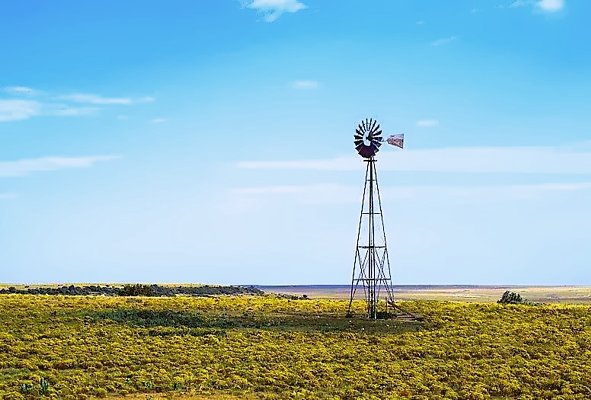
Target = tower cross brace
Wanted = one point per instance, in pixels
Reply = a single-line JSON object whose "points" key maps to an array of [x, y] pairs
{"points": [[371, 268]]}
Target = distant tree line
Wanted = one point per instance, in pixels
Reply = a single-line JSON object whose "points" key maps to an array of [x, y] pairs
{"points": [[135, 290]]}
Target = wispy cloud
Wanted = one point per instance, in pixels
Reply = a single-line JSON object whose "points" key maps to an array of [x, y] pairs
{"points": [[527, 160], [90, 98], [444, 41], [7, 196], [334, 193], [326, 193], [21, 91], [304, 84], [159, 120], [519, 3], [27, 166], [551, 5], [273, 9], [63, 110], [16, 110], [548, 6], [427, 123]]}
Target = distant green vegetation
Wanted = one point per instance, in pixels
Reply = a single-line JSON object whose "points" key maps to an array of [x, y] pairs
{"points": [[137, 290], [132, 290], [509, 297]]}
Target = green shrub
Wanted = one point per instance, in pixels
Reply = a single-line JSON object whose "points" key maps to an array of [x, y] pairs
{"points": [[137, 290], [510, 298]]}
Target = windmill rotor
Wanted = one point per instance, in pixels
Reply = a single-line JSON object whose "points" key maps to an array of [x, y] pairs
{"points": [[367, 138]]}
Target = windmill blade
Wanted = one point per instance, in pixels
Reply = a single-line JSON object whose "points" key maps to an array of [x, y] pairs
{"points": [[376, 143], [358, 142], [373, 124], [366, 151], [375, 128]]}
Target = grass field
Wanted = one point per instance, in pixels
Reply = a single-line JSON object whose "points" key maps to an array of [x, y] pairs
{"points": [[76, 347]]}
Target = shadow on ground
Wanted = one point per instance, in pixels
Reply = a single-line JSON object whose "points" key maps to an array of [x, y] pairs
{"points": [[200, 324]]}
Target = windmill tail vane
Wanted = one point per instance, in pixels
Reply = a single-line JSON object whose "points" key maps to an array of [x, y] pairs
{"points": [[396, 140]]}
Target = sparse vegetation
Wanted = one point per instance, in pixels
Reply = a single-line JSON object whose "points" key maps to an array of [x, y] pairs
{"points": [[272, 347]]}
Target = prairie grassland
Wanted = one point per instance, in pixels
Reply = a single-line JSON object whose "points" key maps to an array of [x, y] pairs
{"points": [[275, 348]]}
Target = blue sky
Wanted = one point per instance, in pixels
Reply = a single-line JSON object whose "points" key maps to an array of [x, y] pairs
{"points": [[211, 141]]}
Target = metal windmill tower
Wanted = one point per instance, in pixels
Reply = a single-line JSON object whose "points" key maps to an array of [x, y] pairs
{"points": [[371, 268]]}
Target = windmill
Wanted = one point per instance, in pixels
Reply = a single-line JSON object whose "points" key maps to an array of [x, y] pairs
{"points": [[371, 268]]}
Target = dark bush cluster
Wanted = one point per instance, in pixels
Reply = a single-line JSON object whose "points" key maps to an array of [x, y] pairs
{"points": [[136, 290], [510, 298], [70, 290]]}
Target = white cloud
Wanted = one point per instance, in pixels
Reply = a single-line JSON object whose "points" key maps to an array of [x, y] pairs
{"points": [[145, 99], [444, 41], [76, 104], [273, 9], [522, 191], [95, 99], [333, 193], [519, 3], [158, 120], [21, 91], [89, 98], [7, 196], [568, 187], [427, 123], [28, 166], [16, 110], [62, 110], [328, 193], [304, 84], [541, 160], [551, 5]]}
